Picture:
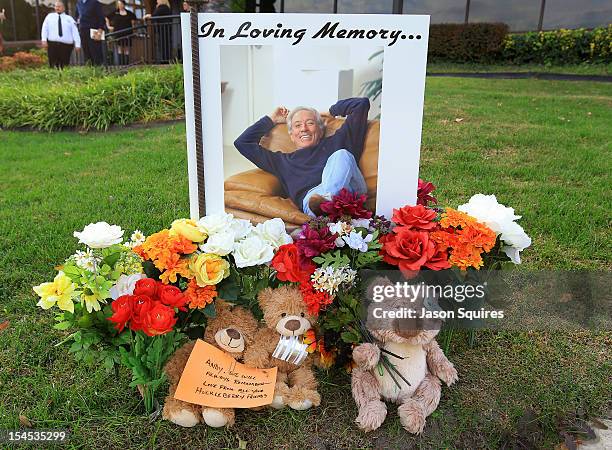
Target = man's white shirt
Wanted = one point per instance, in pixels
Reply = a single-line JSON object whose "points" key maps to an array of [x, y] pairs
{"points": [[70, 32]]}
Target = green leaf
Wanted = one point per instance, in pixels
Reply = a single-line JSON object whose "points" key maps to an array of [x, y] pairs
{"points": [[62, 325], [210, 310], [335, 259]]}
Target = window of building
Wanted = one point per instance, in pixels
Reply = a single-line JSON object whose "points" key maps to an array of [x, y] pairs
{"points": [[519, 15], [309, 6], [441, 11], [573, 14], [365, 7]]}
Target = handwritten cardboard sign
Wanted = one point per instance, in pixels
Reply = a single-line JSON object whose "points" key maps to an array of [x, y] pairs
{"points": [[213, 378]]}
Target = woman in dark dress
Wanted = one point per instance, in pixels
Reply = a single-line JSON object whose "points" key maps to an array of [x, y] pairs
{"points": [[162, 28], [121, 22]]}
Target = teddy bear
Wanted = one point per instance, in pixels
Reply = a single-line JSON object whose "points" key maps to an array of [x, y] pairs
{"points": [[409, 344], [233, 330], [285, 314]]}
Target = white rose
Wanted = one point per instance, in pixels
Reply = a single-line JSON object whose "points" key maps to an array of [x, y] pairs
{"points": [[252, 251], [100, 235], [273, 231], [219, 243], [125, 285], [360, 223], [516, 240], [215, 223], [241, 228], [500, 219]]}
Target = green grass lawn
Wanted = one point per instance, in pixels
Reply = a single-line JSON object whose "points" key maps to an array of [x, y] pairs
{"points": [[543, 147]]}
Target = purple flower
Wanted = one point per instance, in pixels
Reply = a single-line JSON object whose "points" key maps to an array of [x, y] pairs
{"points": [[346, 203]]}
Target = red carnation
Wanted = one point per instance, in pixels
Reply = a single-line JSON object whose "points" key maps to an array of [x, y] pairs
{"points": [[423, 190], [122, 311], [146, 286], [141, 304], [289, 266], [312, 242], [172, 296], [314, 300], [159, 319], [415, 217], [346, 203]]}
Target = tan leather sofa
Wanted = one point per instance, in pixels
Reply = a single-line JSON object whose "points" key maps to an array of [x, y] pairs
{"points": [[257, 195]]}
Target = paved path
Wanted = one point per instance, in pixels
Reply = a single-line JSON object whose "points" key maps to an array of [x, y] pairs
{"points": [[521, 75]]}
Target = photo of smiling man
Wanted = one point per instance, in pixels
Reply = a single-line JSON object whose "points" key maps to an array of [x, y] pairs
{"points": [[320, 166]]}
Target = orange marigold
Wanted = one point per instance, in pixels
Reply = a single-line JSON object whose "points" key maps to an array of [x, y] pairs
{"points": [[199, 297], [165, 249], [465, 237], [181, 267]]}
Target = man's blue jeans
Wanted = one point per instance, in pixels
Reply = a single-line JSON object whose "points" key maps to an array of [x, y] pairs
{"points": [[341, 171]]}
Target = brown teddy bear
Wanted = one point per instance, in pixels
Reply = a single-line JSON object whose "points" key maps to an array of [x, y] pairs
{"points": [[285, 314], [423, 366], [232, 330]]}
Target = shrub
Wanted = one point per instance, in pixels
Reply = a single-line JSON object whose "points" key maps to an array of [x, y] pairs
{"points": [[473, 42], [88, 98], [560, 46], [21, 60]]}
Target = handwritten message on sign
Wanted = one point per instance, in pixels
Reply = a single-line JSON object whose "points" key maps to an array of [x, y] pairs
{"points": [[213, 378]]}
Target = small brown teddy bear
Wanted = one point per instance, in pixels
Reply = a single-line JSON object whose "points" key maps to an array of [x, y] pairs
{"points": [[423, 366], [232, 330], [285, 314]]}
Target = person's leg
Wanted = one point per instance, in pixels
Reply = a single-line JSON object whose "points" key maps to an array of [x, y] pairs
{"points": [[52, 54], [85, 44], [96, 52], [66, 51], [340, 171]]}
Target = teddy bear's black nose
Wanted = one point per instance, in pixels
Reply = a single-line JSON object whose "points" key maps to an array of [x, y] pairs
{"points": [[292, 325], [234, 334]]}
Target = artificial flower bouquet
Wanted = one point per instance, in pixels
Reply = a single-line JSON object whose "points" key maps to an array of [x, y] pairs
{"points": [[135, 302], [330, 249]]}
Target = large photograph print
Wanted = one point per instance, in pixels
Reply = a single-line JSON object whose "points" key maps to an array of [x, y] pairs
{"points": [[297, 108]]}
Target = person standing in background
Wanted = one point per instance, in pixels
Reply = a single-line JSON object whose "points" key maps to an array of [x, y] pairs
{"points": [[2, 19], [59, 36], [121, 22], [162, 26], [89, 16]]}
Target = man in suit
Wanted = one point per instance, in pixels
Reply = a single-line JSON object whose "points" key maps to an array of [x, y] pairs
{"points": [[90, 16], [60, 35]]}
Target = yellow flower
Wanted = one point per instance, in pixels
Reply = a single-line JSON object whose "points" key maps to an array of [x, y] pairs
{"points": [[209, 269], [59, 292], [92, 302], [188, 229]]}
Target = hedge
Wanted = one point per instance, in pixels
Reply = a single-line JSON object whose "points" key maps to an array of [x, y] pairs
{"points": [[473, 42], [88, 98], [490, 42], [560, 46]]}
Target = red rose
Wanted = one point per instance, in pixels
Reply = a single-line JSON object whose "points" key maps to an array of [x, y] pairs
{"points": [[158, 320], [172, 296], [122, 311], [288, 266], [439, 260], [141, 304], [146, 286], [415, 217], [408, 249]]}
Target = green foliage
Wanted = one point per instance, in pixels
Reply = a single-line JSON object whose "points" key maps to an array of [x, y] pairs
{"points": [[336, 259], [472, 42], [89, 98], [560, 46], [146, 357]]}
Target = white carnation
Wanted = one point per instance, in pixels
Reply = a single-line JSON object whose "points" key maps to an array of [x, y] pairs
{"points": [[215, 223], [273, 231], [100, 235], [500, 219], [219, 243], [125, 285], [253, 251]]}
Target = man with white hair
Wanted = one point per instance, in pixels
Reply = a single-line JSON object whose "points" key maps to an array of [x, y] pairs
{"points": [[59, 36], [321, 166]]}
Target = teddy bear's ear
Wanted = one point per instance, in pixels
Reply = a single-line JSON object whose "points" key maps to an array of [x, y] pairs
{"points": [[264, 297]]}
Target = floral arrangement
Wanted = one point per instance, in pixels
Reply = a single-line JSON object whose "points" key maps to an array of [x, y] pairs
{"points": [[135, 302]]}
